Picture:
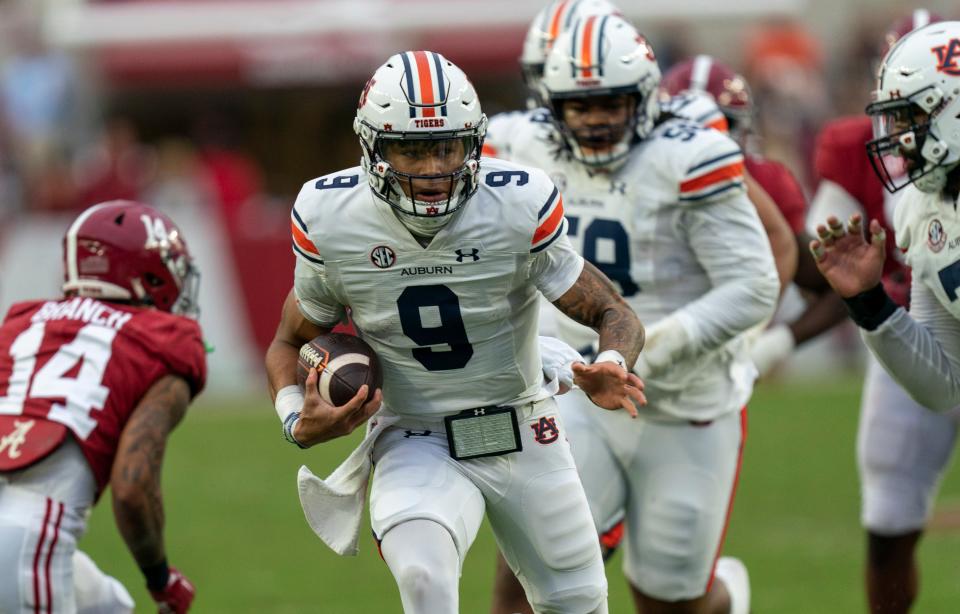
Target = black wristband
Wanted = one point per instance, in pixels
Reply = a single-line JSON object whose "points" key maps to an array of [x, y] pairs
{"points": [[870, 308], [157, 575]]}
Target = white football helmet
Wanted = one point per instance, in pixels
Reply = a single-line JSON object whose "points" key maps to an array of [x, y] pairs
{"points": [[915, 109], [420, 98], [551, 21], [603, 56]]}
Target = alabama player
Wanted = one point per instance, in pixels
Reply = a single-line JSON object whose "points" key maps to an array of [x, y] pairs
{"points": [[658, 204], [915, 148], [441, 260], [92, 384]]}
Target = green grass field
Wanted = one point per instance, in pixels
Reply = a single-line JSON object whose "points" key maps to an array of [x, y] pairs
{"points": [[234, 523]]}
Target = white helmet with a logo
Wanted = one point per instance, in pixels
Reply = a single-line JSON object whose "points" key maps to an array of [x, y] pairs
{"points": [[915, 109], [420, 96], [553, 20], [603, 56]]}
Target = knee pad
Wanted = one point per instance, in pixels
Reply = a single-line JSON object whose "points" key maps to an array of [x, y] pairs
{"points": [[584, 599], [671, 554], [567, 539]]}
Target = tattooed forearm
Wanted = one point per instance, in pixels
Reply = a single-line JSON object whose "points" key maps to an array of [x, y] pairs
{"points": [[594, 301], [135, 478]]}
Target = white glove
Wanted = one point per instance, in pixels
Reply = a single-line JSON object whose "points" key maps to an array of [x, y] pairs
{"points": [[667, 342], [772, 347], [558, 358]]}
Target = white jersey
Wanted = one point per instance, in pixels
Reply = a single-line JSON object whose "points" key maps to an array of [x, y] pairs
{"points": [[674, 228], [454, 323], [921, 350]]}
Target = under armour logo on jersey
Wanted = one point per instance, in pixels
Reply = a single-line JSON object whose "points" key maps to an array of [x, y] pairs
{"points": [[479, 412], [618, 186], [473, 253], [12, 441], [947, 56], [409, 434], [545, 430]]}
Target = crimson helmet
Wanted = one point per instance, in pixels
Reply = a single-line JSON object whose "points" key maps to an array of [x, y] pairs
{"points": [[705, 74], [128, 251]]}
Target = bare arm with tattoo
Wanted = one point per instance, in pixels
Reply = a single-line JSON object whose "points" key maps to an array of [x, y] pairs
{"points": [[594, 301], [135, 478]]}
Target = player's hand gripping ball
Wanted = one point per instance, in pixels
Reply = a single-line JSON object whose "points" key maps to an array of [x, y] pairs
{"points": [[344, 363]]}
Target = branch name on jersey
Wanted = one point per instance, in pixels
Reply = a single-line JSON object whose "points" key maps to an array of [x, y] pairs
{"points": [[85, 364]]}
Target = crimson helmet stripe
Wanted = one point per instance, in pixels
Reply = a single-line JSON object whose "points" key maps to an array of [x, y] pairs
{"points": [[411, 92], [700, 73]]}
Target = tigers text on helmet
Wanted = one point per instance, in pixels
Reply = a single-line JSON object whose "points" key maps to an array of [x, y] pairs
{"points": [[596, 62], [128, 251], [421, 129], [729, 89], [551, 21], [915, 110]]}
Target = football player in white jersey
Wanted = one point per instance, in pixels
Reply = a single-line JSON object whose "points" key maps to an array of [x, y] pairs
{"points": [[916, 147], [658, 204], [441, 261], [916, 129]]}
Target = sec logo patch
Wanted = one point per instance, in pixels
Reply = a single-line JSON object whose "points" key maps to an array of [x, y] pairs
{"points": [[936, 236], [383, 257]]}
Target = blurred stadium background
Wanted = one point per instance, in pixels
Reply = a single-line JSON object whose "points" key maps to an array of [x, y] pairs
{"points": [[218, 110]]}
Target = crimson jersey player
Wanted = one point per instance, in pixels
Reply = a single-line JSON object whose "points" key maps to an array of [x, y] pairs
{"points": [[732, 95], [91, 384], [848, 185]]}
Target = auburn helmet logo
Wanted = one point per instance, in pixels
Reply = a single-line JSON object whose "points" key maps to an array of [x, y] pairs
{"points": [[947, 56]]}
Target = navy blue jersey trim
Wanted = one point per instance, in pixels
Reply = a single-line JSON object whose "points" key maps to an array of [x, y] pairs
{"points": [[549, 203], [555, 236]]}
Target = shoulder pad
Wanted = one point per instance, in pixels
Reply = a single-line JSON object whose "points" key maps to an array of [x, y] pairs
{"points": [[534, 203], [318, 199], [705, 163]]}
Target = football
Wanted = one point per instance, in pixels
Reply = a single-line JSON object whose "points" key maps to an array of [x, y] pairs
{"points": [[345, 363]]}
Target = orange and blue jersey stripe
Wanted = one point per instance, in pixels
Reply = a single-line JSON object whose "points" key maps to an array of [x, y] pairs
{"points": [[426, 88], [302, 245], [713, 176], [550, 223]]}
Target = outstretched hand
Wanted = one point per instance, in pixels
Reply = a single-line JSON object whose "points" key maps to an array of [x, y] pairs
{"points": [[846, 260], [609, 386], [320, 421]]}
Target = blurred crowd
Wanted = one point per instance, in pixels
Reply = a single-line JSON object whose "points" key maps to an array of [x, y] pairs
{"points": [[66, 143]]}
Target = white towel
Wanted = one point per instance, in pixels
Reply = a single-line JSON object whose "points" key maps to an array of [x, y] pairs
{"points": [[334, 506]]}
